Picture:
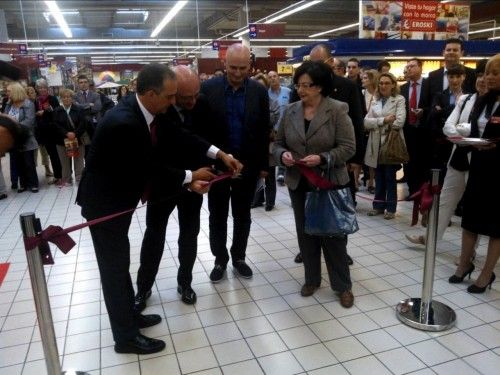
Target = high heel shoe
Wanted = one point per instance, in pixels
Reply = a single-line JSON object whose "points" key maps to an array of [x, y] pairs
{"points": [[454, 279], [480, 289]]}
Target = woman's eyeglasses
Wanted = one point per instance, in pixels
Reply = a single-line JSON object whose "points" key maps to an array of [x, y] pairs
{"points": [[304, 85]]}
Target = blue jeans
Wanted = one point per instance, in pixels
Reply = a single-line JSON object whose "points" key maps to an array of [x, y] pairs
{"points": [[385, 188]]}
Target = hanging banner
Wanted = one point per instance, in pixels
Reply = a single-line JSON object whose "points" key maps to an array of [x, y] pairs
{"points": [[266, 30], [414, 19]]}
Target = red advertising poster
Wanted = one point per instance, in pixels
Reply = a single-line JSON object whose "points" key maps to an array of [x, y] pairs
{"points": [[266, 30], [414, 19]]}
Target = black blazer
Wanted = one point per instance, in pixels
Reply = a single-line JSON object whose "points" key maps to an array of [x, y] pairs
{"points": [[122, 160], [424, 101], [346, 91], [63, 125], [254, 152], [436, 81]]}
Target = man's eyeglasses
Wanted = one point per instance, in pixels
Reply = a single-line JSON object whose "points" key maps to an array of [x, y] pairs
{"points": [[304, 85]]}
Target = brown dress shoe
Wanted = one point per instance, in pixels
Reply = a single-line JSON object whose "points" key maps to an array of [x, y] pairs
{"points": [[308, 290], [346, 299]]}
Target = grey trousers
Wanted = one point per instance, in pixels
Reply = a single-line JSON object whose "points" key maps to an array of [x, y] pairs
{"points": [[334, 250], [66, 163]]}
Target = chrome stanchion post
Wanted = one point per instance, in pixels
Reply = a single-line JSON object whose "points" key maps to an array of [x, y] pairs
{"points": [[29, 225], [424, 313]]}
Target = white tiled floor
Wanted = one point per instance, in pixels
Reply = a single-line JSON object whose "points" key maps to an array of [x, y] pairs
{"points": [[257, 326]]}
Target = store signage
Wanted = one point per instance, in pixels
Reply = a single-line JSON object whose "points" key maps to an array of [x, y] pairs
{"points": [[223, 44], [283, 68], [8, 48], [266, 30], [22, 49], [182, 62], [414, 19]]}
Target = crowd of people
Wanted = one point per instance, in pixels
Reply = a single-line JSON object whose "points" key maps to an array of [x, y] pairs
{"points": [[332, 121]]}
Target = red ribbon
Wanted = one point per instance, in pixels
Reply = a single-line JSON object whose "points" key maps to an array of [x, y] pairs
{"points": [[422, 200], [59, 236], [314, 178]]}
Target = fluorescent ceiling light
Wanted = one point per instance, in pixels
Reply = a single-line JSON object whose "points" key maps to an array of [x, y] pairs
{"points": [[168, 17], [104, 40], [494, 38], [334, 30], [131, 47], [144, 13], [46, 15], [484, 30], [244, 30], [56, 13], [294, 10]]}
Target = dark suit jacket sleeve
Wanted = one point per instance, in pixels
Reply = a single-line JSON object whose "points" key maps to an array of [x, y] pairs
{"points": [[356, 115]]}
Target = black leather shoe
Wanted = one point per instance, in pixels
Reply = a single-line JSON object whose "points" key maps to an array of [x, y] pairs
{"points": [[270, 207], [242, 269], [217, 273], [349, 260], [140, 344], [256, 204], [145, 321], [298, 258], [140, 301], [188, 295]]}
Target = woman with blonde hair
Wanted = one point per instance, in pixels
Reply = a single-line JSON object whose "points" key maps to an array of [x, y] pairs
{"points": [[386, 114], [369, 82], [21, 108]]}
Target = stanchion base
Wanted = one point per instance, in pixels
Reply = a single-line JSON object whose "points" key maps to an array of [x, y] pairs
{"points": [[441, 317], [73, 372]]}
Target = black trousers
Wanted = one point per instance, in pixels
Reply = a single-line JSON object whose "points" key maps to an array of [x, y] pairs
{"points": [[188, 208], [269, 189], [26, 168], [112, 249], [417, 170], [54, 159], [240, 192], [334, 250]]}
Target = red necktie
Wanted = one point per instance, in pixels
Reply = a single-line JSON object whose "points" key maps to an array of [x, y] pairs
{"points": [[413, 104]]}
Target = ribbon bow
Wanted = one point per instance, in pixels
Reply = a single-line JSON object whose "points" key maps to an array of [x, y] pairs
{"points": [[55, 234], [422, 200]]}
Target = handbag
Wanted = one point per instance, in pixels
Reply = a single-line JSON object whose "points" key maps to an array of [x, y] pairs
{"points": [[393, 150], [330, 212]]}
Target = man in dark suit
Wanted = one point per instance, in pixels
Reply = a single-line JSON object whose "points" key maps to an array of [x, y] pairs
{"points": [[416, 130], [452, 53], [239, 124], [123, 142], [190, 112]]}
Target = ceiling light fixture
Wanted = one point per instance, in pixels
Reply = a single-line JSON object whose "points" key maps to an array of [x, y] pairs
{"points": [[56, 13], [278, 15], [168, 17], [144, 13], [335, 30], [484, 30], [308, 4]]}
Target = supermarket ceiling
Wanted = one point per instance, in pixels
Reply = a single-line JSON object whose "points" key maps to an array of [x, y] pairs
{"points": [[123, 29]]}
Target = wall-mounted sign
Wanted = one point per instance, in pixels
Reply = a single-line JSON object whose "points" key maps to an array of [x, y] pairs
{"points": [[266, 30], [285, 69], [223, 44], [186, 62], [413, 19]]}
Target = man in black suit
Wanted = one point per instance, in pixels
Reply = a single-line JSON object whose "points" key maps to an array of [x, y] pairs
{"points": [[190, 112], [123, 142], [416, 129], [452, 53], [239, 124]]}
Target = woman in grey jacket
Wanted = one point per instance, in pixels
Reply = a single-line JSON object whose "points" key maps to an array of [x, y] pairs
{"points": [[21, 109], [311, 131]]}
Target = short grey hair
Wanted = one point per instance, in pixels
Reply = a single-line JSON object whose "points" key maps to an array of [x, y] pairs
{"points": [[41, 82]]}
